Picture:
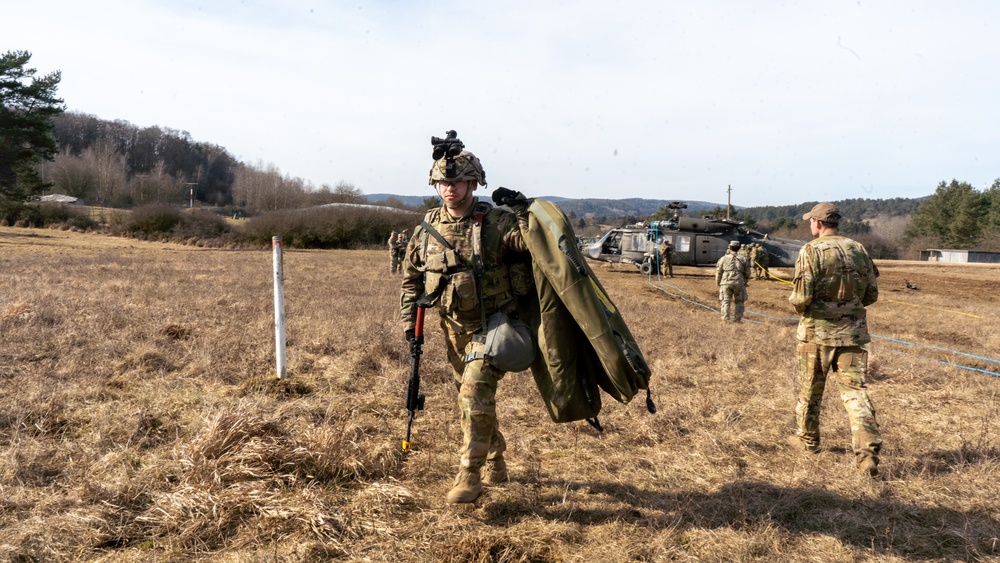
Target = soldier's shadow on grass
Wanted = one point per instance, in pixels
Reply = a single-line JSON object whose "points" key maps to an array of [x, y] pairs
{"points": [[885, 525]]}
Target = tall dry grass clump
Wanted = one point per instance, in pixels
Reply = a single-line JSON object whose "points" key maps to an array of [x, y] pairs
{"points": [[141, 420]]}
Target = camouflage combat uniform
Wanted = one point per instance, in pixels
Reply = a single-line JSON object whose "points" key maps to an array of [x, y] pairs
{"points": [[731, 274], [834, 281], [755, 260], [400, 249], [396, 247], [666, 250], [462, 305], [762, 261]]}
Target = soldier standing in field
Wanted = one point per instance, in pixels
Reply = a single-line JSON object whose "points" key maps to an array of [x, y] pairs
{"points": [[666, 250], [393, 256], [732, 273], [468, 281], [401, 240], [396, 247], [762, 261], [755, 260], [835, 280]]}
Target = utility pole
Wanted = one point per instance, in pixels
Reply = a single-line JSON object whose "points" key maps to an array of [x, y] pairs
{"points": [[729, 199], [190, 186]]}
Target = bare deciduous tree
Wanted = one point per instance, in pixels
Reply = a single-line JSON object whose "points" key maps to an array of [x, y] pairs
{"points": [[261, 188], [347, 193], [72, 176], [108, 167]]}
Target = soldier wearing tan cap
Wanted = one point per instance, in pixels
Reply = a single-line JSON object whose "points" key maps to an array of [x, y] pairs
{"points": [[834, 280]]}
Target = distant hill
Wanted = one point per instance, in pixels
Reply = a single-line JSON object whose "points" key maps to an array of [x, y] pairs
{"points": [[580, 207], [636, 207], [854, 209], [409, 200]]}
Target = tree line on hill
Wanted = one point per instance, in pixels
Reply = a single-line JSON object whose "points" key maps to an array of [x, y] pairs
{"points": [[118, 164]]}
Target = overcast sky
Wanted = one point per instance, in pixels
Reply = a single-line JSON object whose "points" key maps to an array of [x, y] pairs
{"points": [[786, 101]]}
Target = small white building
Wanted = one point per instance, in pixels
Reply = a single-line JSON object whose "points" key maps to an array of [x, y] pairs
{"points": [[964, 256], [60, 198]]}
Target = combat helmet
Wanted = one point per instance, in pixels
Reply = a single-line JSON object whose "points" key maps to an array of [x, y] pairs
{"points": [[452, 163]]}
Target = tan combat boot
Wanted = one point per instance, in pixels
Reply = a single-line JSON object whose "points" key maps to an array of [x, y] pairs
{"points": [[801, 445], [468, 486], [496, 471], [868, 466]]}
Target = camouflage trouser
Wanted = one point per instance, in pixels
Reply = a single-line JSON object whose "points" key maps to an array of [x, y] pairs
{"points": [[395, 261], [666, 267], [731, 298], [758, 272], [850, 365], [477, 388]]}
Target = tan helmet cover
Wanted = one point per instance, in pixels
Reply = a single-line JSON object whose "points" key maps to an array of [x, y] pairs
{"points": [[467, 167]]}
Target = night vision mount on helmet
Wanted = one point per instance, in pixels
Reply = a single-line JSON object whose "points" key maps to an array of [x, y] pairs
{"points": [[450, 146], [452, 163]]}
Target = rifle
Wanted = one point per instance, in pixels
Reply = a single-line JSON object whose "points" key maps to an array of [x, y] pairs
{"points": [[414, 398]]}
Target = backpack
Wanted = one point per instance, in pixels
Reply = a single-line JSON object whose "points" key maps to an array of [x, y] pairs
{"points": [[583, 343]]}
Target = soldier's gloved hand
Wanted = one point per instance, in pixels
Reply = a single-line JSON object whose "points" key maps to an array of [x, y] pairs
{"points": [[506, 196]]}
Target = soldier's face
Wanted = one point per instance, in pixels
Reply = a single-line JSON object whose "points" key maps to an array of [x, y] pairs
{"points": [[455, 195]]}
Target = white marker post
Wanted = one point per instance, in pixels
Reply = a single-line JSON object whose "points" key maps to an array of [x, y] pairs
{"points": [[279, 307]]}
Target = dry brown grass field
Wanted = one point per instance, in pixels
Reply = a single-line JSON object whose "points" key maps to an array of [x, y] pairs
{"points": [[141, 420]]}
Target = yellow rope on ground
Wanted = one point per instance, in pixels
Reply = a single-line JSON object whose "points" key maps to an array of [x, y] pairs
{"points": [[768, 272], [936, 308]]}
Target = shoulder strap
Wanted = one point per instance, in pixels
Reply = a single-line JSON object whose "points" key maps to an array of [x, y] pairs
{"points": [[434, 233], [478, 214]]}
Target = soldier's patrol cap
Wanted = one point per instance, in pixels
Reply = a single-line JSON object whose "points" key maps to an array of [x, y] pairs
{"points": [[825, 211], [734, 244]]}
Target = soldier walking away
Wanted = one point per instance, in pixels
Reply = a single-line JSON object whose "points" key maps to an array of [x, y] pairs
{"points": [[732, 274], [666, 259], [459, 259], [835, 280]]}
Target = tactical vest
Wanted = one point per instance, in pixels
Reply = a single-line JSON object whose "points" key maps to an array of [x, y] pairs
{"points": [[463, 270]]}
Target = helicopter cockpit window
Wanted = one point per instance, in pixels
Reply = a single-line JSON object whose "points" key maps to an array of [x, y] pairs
{"points": [[612, 243]]}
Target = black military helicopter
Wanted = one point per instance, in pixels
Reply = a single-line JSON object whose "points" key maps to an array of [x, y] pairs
{"points": [[697, 242]]}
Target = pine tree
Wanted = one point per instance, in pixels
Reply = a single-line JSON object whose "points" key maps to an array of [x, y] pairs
{"points": [[27, 105]]}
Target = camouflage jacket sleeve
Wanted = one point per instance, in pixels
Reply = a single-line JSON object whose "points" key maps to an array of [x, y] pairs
{"points": [[871, 291], [718, 270], [412, 286], [745, 269], [802, 293], [511, 226]]}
